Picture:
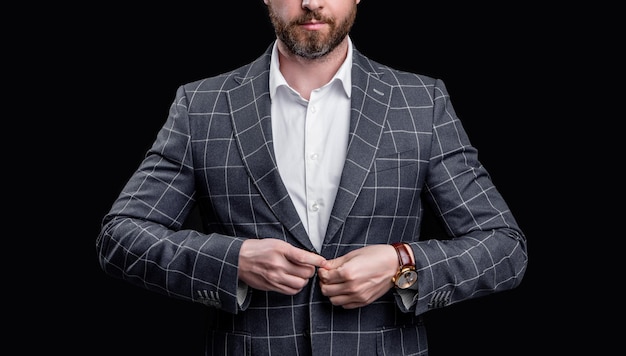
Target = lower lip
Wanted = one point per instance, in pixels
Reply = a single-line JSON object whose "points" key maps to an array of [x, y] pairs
{"points": [[313, 26]]}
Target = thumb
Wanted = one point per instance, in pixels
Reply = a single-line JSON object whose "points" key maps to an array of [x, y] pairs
{"points": [[334, 263], [301, 256]]}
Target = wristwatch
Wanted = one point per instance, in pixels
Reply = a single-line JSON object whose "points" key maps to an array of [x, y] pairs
{"points": [[406, 275]]}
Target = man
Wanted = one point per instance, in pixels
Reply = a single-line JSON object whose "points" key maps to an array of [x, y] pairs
{"points": [[311, 167]]}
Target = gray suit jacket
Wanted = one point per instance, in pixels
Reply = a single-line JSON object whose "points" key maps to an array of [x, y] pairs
{"points": [[406, 148]]}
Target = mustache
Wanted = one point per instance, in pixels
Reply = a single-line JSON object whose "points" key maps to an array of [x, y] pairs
{"points": [[310, 16]]}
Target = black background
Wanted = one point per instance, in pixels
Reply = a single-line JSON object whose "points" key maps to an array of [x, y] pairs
{"points": [[123, 66]]}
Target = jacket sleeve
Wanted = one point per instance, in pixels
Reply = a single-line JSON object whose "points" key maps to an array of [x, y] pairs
{"points": [[486, 251], [141, 240]]}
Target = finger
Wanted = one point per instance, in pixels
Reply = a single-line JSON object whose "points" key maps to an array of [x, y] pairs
{"points": [[324, 275], [331, 290], [345, 302], [284, 282], [302, 271], [284, 289], [303, 257], [294, 284], [330, 276], [334, 263]]}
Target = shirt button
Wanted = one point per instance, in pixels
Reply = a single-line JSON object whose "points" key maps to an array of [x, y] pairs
{"points": [[314, 156], [315, 206], [313, 109]]}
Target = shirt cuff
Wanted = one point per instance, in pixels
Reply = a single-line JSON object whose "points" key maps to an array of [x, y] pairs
{"points": [[408, 296], [242, 292]]}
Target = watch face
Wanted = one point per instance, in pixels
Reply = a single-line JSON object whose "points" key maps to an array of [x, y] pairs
{"points": [[406, 279]]}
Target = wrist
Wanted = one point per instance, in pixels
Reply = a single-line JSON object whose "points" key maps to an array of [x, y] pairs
{"points": [[406, 275]]}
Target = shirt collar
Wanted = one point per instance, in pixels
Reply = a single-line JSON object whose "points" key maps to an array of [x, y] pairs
{"points": [[343, 75]]}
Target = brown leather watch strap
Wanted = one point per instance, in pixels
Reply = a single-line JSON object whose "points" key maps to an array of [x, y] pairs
{"points": [[404, 258]]}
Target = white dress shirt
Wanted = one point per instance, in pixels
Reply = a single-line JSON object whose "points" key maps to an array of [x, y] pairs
{"points": [[310, 142]]}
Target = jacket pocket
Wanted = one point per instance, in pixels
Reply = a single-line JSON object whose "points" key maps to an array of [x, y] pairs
{"points": [[228, 344], [408, 340], [395, 160]]}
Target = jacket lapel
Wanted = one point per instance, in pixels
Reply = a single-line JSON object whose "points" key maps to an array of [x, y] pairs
{"points": [[370, 103], [251, 108]]}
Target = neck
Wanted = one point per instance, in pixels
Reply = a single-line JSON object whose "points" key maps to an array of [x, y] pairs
{"points": [[305, 75]]}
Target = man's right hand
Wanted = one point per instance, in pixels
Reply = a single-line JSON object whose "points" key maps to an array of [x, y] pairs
{"points": [[275, 265]]}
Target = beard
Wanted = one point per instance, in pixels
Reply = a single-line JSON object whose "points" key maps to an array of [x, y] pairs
{"points": [[311, 44]]}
